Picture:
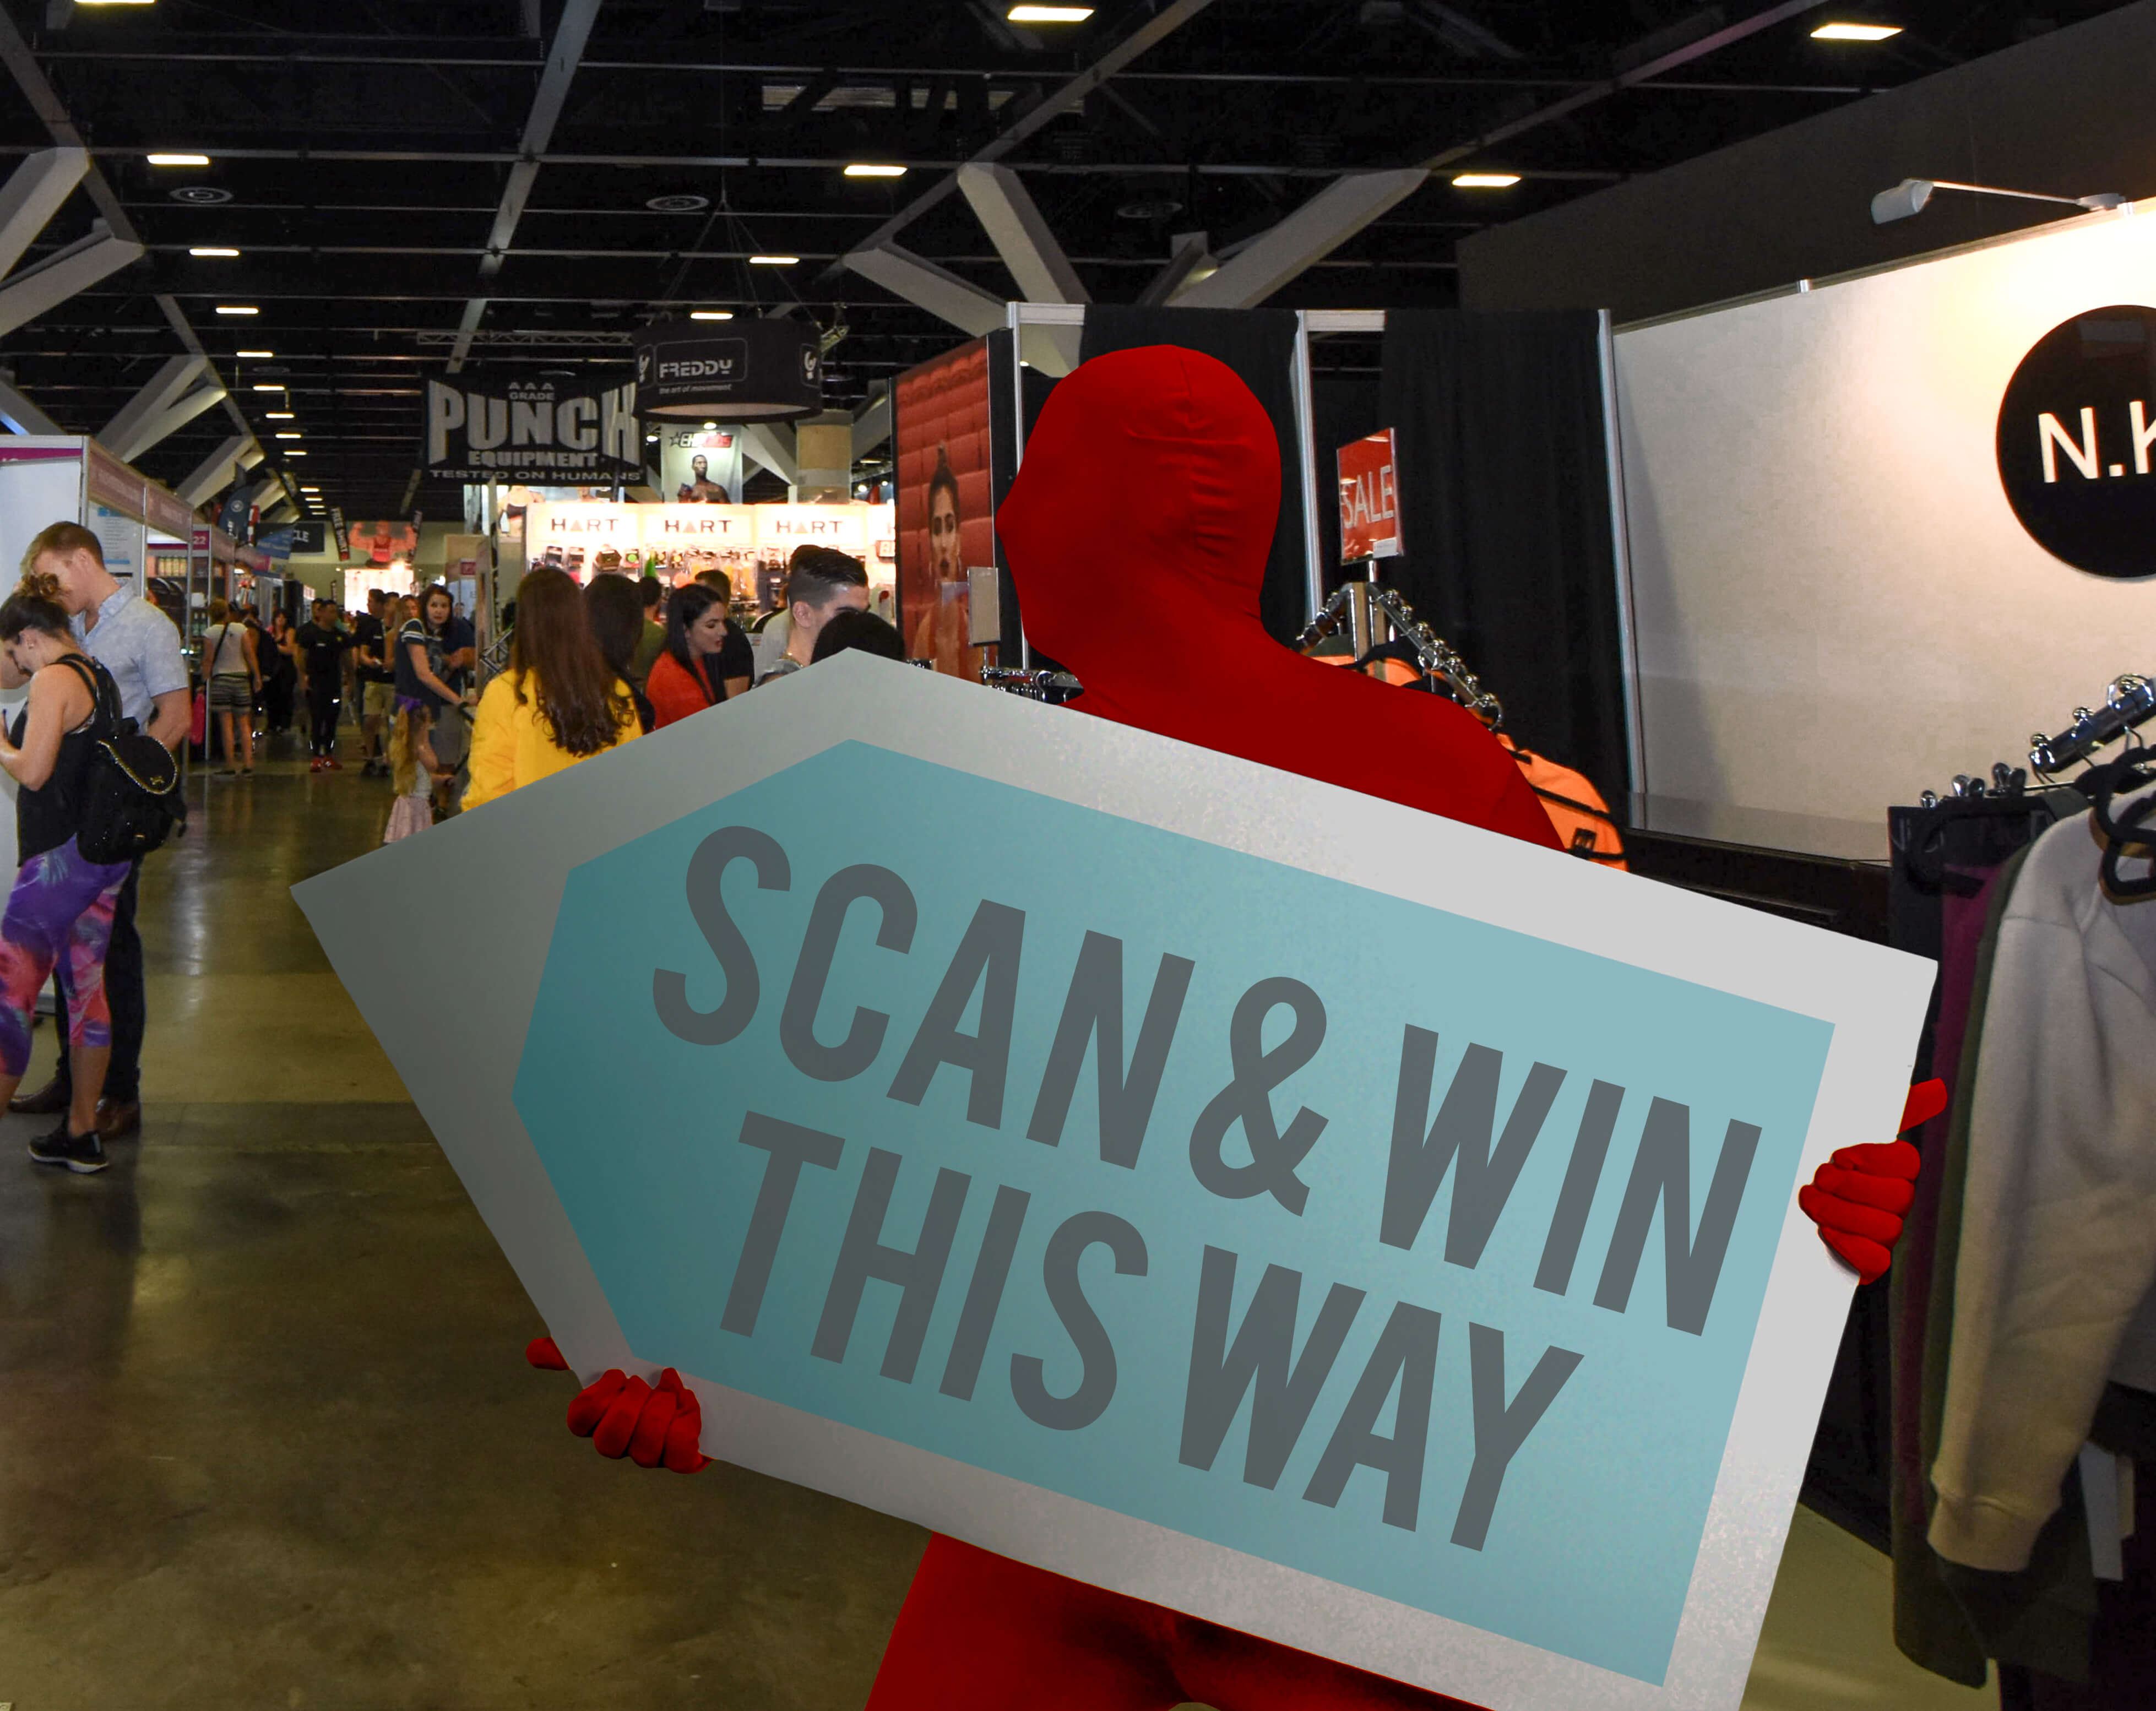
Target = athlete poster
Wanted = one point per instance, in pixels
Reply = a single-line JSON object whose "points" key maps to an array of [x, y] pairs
{"points": [[945, 507]]}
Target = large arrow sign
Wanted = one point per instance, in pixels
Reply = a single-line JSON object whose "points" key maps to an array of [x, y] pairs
{"points": [[1322, 1218]]}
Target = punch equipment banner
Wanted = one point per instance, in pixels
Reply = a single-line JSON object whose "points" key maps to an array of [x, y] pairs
{"points": [[532, 430]]}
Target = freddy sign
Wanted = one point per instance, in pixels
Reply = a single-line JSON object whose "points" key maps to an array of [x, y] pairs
{"points": [[1369, 499], [1279, 1205]]}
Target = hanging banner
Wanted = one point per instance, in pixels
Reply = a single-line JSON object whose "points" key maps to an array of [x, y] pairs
{"points": [[309, 538], [379, 543], [1026, 1148], [751, 371], [532, 430], [1369, 499]]}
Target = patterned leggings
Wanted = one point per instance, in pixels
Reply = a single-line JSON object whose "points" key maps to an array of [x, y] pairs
{"points": [[62, 904]]}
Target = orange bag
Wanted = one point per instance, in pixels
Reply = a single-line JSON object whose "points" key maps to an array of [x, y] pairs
{"points": [[1575, 807]]}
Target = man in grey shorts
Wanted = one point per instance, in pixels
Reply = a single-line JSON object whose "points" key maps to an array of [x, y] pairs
{"points": [[376, 675]]}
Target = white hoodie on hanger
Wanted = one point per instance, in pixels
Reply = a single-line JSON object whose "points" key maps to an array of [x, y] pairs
{"points": [[2057, 1264]]}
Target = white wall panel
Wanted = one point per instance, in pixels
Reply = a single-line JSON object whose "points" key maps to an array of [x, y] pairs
{"points": [[1835, 607]]}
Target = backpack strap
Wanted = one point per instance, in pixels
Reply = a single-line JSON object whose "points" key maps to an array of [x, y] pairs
{"points": [[104, 691]]}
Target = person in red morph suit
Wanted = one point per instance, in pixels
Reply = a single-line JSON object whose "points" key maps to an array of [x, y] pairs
{"points": [[1175, 565]]}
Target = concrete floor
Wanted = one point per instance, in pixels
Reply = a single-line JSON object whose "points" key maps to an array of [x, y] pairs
{"points": [[268, 1439]]}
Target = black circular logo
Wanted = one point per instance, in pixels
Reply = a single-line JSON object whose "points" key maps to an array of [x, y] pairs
{"points": [[2077, 441]]}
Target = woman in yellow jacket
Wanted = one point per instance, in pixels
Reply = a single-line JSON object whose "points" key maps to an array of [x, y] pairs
{"points": [[558, 703]]}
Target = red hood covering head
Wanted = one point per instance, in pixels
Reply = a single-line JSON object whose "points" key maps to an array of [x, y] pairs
{"points": [[1137, 532]]}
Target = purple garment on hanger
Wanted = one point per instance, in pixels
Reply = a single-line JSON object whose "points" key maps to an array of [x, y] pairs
{"points": [[1962, 930]]}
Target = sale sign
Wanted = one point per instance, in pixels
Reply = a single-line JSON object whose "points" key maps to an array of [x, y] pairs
{"points": [[1369, 499], [1356, 1228]]}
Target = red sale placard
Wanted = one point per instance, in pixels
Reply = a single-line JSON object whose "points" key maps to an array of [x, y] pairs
{"points": [[1369, 499]]}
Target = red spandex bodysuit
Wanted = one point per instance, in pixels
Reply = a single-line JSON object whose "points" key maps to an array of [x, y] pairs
{"points": [[1138, 531]]}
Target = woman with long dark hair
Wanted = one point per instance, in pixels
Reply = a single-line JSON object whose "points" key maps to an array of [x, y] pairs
{"points": [[422, 694], [559, 702], [707, 658], [613, 606], [281, 672], [62, 903]]}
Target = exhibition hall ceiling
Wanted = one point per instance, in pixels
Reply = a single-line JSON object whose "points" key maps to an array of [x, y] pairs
{"points": [[394, 173]]}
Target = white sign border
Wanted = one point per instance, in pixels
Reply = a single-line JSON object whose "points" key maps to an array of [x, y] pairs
{"points": [[498, 875]]}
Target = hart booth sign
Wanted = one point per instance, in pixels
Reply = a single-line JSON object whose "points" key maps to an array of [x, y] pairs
{"points": [[1359, 1229]]}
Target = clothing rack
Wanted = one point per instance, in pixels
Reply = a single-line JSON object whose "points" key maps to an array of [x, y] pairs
{"points": [[1353, 606], [1054, 687], [2129, 702]]}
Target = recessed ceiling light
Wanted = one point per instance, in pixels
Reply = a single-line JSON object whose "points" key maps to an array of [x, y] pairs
{"points": [[237, 309], [1856, 32], [277, 415], [294, 452], [268, 386], [709, 426], [710, 315], [177, 160], [1049, 14], [253, 353], [773, 261], [288, 436], [871, 169], [1485, 181], [205, 250]]}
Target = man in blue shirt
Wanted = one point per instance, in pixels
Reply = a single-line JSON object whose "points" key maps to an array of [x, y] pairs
{"points": [[138, 644]]}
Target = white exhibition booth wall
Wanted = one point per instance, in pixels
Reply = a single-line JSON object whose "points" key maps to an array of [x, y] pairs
{"points": [[1834, 607]]}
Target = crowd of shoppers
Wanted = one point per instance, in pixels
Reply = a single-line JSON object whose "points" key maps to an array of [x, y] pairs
{"points": [[587, 670]]}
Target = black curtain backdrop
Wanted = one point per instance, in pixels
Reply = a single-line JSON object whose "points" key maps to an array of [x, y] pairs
{"points": [[1259, 344], [1343, 407], [1505, 518]]}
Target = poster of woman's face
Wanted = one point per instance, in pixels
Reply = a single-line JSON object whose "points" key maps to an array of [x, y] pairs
{"points": [[945, 507]]}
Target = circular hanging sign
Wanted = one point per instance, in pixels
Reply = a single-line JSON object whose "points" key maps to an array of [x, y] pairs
{"points": [[747, 371], [2077, 441]]}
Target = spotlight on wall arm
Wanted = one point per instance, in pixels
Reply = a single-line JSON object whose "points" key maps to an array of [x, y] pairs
{"points": [[1908, 199]]}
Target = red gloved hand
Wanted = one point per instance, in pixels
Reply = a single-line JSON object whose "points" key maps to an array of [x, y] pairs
{"points": [[1859, 1196], [622, 1415]]}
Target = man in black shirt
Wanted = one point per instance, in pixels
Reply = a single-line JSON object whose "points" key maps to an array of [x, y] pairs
{"points": [[323, 643], [375, 679]]}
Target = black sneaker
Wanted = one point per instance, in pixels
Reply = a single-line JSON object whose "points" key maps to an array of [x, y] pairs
{"points": [[83, 1155]]}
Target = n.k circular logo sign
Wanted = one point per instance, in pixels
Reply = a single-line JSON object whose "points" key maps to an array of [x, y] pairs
{"points": [[2075, 433]]}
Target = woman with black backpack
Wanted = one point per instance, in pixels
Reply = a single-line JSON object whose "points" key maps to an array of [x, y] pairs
{"points": [[62, 902]]}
